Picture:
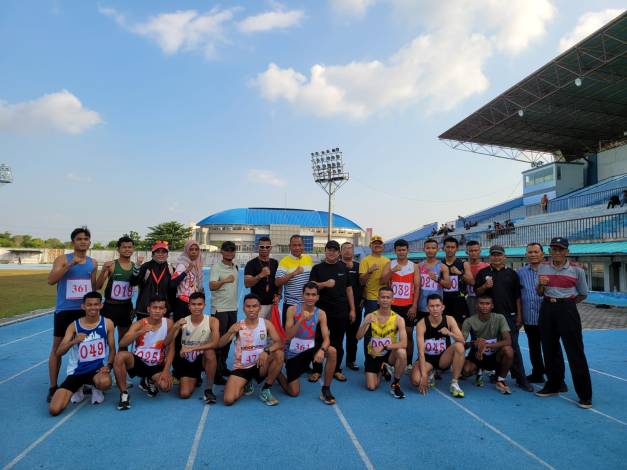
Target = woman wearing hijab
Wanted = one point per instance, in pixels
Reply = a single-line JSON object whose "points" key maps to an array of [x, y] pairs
{"points": [[154, 278], [188, 266]]}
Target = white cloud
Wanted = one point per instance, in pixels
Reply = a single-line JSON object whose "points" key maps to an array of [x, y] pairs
{"points": [[437, 70], [271, 20], [185, 30], [76, 178], [61, 111], [266, 177], [587, 24], [351, 8]]}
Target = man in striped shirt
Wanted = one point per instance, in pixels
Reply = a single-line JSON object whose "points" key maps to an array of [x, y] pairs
{"points": [[563, 285], [293, 273]]}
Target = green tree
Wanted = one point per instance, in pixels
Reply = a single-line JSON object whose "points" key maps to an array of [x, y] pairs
{"points": [[53, 243], [6, 240], [112, 244], [173, 232], [98, 246]]}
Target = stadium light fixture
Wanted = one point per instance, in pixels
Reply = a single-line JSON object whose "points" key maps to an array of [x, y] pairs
{"points": [[577, 81], [6, 175], [521, 113], [330, 175]]}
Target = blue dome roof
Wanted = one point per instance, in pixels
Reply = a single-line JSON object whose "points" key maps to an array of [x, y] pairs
{"points": [[268, 216]]}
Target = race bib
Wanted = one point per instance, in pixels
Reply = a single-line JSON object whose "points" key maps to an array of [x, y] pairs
{"points": [[471, 291], [427, 283], [435, 347], [91, 350], [121, 290], [250, 357], [402, 290], [454, 284], [151, 356], [77, 288], [191, 356], [380, 342], [489, 352], [298, 345]]}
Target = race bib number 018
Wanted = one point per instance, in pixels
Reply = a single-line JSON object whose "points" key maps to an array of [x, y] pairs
{"points": [[298, 345], [150, 356], [402, 290], [77, 288], [121, 290], [250, 357], [435, 347], [380, 343], [91, 350], [427, 283]]}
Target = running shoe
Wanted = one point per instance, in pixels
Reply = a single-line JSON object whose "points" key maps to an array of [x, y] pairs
{"points": [[432, 379], [395, 390], [339, 376], [97, 396], [327, 397], [386, 371], [87, 389], [456, 390], [125, 401], [546, 392], [409, 368], [78, 396], [502, 387], [585, 404], [267, 397], [535, 379], [249, 388], [479, 380], [352, 366], [147, 386], [210, 398]]}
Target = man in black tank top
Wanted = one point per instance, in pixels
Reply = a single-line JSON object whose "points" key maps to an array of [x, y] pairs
{"points": [[435, 351], [460, 275]]}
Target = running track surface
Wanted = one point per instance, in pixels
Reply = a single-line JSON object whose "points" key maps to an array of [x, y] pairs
{"points": [[365, 429]]}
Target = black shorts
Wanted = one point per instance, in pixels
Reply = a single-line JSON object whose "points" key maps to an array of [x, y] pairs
{"points": [[373, 364], [248, 374], [74, 382], [64, 319], [299, 364], [402, 311], [457, 308], [141, 369], [184, 368], [119, 314], [487, 363], [434, 361]]}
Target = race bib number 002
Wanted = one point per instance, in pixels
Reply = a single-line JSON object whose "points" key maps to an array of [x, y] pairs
{"points": [[380, 343], [298, 345], [91, 350], [77, 288], [121, 290]]}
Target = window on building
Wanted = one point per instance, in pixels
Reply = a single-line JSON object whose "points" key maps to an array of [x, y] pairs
{"points": [[541, 176], [597, 276]]}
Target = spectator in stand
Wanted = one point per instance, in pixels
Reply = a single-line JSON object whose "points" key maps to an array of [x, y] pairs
{"points": [[624, 201], [462, 240], [613, 202], [544, 204]]}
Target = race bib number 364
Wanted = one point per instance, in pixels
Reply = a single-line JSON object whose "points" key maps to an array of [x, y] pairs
{"points": [[298, 345]]}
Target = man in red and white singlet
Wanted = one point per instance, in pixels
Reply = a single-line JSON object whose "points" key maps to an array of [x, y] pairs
{"points": [[254, 357]]}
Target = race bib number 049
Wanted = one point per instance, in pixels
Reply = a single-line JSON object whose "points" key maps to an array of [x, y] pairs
{"points": [[91, 350], [454, 284]]}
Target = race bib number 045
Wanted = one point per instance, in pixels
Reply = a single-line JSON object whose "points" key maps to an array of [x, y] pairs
{"points": [[435, 347]]}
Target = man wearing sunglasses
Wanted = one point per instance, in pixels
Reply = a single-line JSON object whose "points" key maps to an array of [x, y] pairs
{"points": [[259, 275]]}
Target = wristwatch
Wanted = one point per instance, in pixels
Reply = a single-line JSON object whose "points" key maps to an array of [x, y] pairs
{"points": [[266, 350]]}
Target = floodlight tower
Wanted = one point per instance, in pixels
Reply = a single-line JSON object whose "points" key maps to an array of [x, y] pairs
{"points": [[6, 176], [329, 172]]}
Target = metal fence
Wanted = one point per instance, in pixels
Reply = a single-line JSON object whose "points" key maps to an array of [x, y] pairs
{"points": [[585, 200]]}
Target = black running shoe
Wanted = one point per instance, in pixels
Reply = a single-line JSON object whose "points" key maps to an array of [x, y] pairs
{"points": [[327, 397], [546, 392], [352, 366], [125, 401], [585, 404], [51, 391], [148, 386], [210, 398], [395, 390], [385, 372]]}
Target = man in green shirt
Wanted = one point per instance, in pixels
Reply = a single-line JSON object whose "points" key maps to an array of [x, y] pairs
{"points": [[490, 345]]}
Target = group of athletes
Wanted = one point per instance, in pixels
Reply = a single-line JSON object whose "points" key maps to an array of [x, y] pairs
{"points": [[445, 308]]}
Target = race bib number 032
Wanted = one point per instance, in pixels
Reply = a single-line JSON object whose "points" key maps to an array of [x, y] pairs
{"points": [[402, 290]]}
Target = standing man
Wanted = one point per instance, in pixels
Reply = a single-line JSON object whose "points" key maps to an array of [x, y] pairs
{"points": [[336, 300], [223, 282], [434, 276], [259, 277], [346, 253], [563, 285], [473, 250], [293, 274], [501, 283], [75, 275], [531, 302], [404, 279], [370, 271], [460, 276]]}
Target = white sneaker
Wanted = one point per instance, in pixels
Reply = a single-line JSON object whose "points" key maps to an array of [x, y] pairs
{"points": [[409, 368], [78, 396], [97, 396]]}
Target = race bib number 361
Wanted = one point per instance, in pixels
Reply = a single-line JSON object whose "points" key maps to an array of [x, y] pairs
{"points": [[77, 288], [298, 345]]}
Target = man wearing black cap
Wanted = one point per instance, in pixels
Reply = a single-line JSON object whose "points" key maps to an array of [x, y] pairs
{"points": [[503, 285], [563, 285], [336, 299]]}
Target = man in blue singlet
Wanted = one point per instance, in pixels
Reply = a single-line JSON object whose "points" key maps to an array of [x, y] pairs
{"points": [[307, 339], [91, 343], [74, 275], [434, 277]]}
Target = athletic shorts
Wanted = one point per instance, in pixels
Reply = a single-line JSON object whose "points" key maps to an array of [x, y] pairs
{"points": [[141, 369], [373, 364], [64, 319], [184, 368], [250, 373], [421, 315], [434, 361], [119, 314], [402, 311], [457, 308], [299, 364], [74, 382], [487, 363]]}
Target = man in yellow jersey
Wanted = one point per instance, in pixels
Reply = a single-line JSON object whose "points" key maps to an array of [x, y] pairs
{"points": [[387, 343], [370, 271]]}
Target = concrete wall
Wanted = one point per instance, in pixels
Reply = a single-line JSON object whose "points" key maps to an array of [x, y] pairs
{"points": [[612, 162]]}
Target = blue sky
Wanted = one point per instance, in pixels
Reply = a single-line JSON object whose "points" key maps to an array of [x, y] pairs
{"points": [[121, 115]]}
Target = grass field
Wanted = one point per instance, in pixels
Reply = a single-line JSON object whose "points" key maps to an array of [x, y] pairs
{"points": [[24, 290]]}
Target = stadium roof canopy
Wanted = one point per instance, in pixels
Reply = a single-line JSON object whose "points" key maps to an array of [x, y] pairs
{"points": [[276, 216], [569, 108]]}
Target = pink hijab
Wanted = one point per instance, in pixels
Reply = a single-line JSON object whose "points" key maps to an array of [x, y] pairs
{"points": [[197, 263]]}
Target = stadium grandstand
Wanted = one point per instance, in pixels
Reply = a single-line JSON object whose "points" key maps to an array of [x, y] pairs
{"points": [[569, 121], [244, 227]]}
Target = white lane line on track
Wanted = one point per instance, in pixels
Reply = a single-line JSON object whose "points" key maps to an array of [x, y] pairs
{"points": [[26, 318], [3, 381], [43, 437], [351, 434], [596, 371], [611, 418], [25, 337], [199, 430], [496, 431]]}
